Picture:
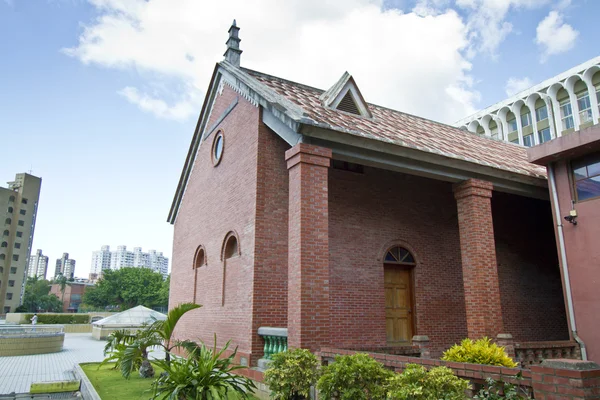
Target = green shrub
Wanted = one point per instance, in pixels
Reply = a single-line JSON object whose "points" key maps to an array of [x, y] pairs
{"points": [[62, 319], [416, 383], [291, 374], [483, 351], [502, 391], [355, 377]]}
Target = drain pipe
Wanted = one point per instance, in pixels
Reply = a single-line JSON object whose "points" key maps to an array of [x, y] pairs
{"points": [[563, 258]]}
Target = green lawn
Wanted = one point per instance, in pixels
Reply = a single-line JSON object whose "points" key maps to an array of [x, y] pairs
{"points": [[110, 385]]}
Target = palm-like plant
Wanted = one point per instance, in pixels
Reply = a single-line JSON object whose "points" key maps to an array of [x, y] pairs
{"points": [[204, 375], [157, 334]]}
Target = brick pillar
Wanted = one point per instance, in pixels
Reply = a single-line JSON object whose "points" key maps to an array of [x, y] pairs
{"points": [[421, 342], [478, 255], [566, 379], [308, 247], [506, 340]]}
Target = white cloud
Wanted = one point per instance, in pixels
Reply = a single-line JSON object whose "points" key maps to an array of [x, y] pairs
{"points": [[516, 85], [487, 21], [554, 36], [400, 60]]}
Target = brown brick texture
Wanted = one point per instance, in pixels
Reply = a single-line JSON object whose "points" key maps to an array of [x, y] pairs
{"points": [[478, 255], [308, 247]]}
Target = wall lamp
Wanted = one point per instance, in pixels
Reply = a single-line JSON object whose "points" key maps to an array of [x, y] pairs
{"points": [[572, 217]]}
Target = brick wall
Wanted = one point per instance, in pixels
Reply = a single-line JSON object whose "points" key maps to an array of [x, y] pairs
{"points": [[370, 211], [218, 200], [271, 243], [530, 284]]}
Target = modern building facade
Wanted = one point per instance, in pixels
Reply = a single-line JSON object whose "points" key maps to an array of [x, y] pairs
{"points": [[65, 266], [556, 107], [38, 265], [18, 211], [351, 225], [106, 259], [573, 164]]}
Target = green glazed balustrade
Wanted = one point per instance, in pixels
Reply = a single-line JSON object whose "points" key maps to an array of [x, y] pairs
{"points": [[274, 345]]}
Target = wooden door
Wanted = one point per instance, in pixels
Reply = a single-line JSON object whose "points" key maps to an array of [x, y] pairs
{"points": [[398, 305]]}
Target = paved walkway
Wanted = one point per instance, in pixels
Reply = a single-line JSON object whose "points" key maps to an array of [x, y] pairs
{"points": [[18, 372]]}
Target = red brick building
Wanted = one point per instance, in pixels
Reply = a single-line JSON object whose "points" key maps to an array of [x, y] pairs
{"points": [[353, 225], [573, 163]]}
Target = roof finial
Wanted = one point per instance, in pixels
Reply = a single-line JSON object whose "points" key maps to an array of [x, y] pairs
{"points": [[233, 52]]}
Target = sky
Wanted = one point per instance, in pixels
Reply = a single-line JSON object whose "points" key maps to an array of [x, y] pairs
{"points": [[100, 97]]}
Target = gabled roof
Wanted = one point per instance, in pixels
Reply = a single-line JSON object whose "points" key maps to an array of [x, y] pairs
{"points": [[406, 130], [134, 316], [298, 112], [345, 90]]}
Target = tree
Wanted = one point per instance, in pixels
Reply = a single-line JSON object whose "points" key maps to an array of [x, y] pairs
{"points": [[62, 281], [126, 288], [37, 297]]}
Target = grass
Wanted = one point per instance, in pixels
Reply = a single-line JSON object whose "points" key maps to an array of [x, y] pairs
{"points": [[110, 385]]}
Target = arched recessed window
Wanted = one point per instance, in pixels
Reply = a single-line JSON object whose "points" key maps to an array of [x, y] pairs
{"points": [[200, 258], [399, 255], [10, 210], [217, 148], [231, 247], [11, 198], [6, 233], [2, 256], [8, 221], [4, 244]]}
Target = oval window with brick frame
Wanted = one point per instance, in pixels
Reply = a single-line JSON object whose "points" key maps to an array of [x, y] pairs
{"points": [[218, 147]]}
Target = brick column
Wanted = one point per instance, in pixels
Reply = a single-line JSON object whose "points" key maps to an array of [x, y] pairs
{"points": [[478, 255], [308, 247]]}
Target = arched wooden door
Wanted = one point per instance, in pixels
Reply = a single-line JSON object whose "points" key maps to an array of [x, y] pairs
{"points": [[399, 308]]}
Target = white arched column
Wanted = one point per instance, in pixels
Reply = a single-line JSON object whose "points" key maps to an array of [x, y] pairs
{"points": [[587, 78], [530, 103], [570, 87], [552, 94], [516, 109], [551, 119], [502, 117]]}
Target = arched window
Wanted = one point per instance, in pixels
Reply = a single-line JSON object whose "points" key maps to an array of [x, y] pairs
{"points": [[231, 246], [11, 198], [2, 256], [8, 221], [200, 258], [399, 255], [4, 244], [10, 210], [6, 233]]}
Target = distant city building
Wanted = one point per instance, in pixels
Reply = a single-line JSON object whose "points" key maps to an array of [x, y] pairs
{"points": [[72, 295], [18, 210], [38, 265], [65, 266], [104, 259]]}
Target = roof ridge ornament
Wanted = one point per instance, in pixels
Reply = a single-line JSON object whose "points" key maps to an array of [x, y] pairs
{"points": [[233, 52], [345, 96]]}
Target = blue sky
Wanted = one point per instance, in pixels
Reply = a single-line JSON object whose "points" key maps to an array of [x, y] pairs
{"points": [[103, 95]]}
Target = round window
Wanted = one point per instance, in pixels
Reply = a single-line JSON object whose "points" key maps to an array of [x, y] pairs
{"points": [[218, 148]]}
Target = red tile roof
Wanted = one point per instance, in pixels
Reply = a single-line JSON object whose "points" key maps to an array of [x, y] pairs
{"points": [[406, 130]]}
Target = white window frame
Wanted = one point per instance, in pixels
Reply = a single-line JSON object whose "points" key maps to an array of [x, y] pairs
{"points": [[526, 119], [537, 114], [567, 119], [585, 114]]}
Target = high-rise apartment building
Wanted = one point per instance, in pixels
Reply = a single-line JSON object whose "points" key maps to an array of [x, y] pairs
{"points": [[65, 266], [105, 259], [38, 265], [556, 107], [18, 210]]}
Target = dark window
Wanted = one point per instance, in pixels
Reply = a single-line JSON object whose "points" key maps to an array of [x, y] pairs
{"points": [[586, 173], [200, 258], [6, 233], [24, 201], [347, 166], [8, 296], [13, 270], [2, 256], [4, 244], [10, 210], [19, 234], [231, 248], [1, 272], [11, 283], [21, 223], [6, 309], [217, 150], [17, 245], [11, 198], [8, 221], [399, 255], [22, 212], [15, 257]]}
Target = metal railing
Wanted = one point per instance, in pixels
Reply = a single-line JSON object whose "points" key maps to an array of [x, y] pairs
{"points": [[40, 330], [275, 340]]}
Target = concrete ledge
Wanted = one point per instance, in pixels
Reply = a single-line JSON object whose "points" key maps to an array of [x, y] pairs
{"points": [[267, 331], [576, 365], [54, 387], [87, 389]]}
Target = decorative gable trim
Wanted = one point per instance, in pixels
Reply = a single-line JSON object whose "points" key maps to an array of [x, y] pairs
{"points": [[345, 96]]}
